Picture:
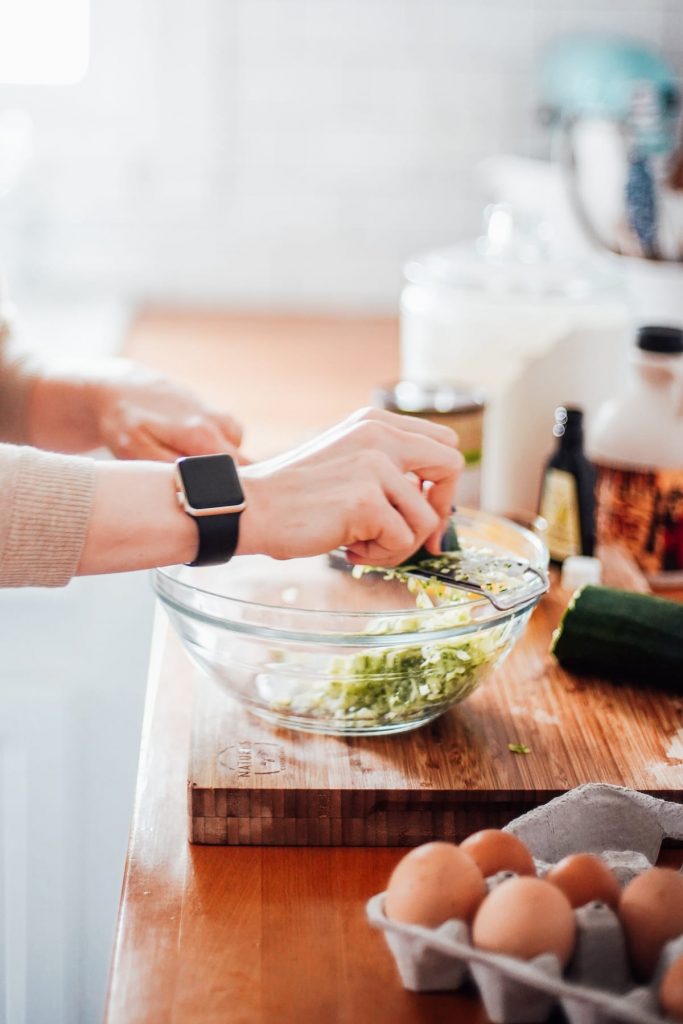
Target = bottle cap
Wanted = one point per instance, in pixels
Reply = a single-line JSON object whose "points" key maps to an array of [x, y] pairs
{"points": [[578, 570], [568, 423], [665, 340]]}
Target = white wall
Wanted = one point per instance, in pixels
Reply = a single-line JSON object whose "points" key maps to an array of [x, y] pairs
{"points": [[282, 152]]}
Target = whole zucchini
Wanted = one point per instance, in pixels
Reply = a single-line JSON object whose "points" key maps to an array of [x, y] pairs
{"points": [[622, 635]]}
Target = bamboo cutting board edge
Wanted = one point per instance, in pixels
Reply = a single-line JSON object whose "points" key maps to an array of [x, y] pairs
{"points": [[251, 783]]}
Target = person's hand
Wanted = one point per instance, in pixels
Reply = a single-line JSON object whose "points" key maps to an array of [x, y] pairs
{"points": [[379, 484], [75, 406], [141, 415]]}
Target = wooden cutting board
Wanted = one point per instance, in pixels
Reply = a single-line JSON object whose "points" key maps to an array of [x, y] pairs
{"points": [[253, 784]]}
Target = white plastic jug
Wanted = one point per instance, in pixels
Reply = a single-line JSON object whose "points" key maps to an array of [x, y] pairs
{"points": [[636, 442], [530, 336]]}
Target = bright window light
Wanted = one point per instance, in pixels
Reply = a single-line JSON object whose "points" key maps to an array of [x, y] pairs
{"points": [[43, 42]]}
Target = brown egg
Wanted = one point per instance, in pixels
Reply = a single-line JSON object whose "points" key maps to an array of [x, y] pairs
{"points": [[671, 990], [583, 878], [496, 851], [651, 911], [525, 917], [432, 884]]}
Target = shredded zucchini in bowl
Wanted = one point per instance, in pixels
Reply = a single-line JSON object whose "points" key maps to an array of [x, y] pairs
{"points": [[392, 684], [403, 683]]}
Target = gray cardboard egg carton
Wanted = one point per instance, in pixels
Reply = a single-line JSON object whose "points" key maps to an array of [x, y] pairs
{"points": [[626, 830]]}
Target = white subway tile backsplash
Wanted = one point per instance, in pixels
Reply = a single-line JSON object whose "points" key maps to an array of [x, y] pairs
{"points": [[288, 152], [644, 21]]}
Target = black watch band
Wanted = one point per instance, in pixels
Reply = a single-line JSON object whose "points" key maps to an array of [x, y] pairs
{"points": [[209, 491], [218, 536]]}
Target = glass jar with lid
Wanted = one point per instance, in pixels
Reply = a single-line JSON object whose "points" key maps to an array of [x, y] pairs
{"points": [[508, 317]]}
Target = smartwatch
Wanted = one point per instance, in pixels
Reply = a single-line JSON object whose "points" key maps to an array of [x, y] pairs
{"points": [[209, 491]]}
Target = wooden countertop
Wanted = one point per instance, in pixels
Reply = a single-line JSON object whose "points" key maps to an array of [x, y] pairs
{"points": [[210, 934]]}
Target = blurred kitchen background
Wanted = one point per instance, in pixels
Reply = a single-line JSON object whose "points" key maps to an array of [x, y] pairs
{"points": [[268, 155], [282, 153]]}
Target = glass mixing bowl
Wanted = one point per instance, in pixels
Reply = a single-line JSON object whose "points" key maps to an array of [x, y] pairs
{"points": [[307, 645]]}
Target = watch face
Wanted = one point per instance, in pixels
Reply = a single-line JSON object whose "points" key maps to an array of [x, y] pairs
{"points": [[210, 482]]}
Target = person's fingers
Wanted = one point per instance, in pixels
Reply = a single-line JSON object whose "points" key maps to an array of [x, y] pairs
{"points": [[372, 425], [229, 427], [234, 434], [414, 506], [378, 530], [394, 542], [161, 439], [442, 493], [435, 542], [414, 502], [400, 494], [134, 442], [399, 521], [195, 435], [122, 431], [410, 424], [426, 458]]}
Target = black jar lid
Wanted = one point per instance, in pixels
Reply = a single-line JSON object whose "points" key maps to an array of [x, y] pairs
{"points": [[420, 398], [665, 340]]}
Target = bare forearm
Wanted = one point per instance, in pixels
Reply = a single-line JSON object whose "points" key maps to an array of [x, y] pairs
{"points": [[380, 485], [136, 522], [353, 492]]}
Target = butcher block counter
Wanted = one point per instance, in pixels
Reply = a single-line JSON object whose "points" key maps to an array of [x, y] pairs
{"points": [[256, 934]]}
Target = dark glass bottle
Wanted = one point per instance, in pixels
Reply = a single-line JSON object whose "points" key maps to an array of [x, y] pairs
{"points": [[568, 490]]}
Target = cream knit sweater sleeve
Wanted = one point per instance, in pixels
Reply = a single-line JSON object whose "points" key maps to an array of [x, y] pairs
{"points": [[45, 499]]}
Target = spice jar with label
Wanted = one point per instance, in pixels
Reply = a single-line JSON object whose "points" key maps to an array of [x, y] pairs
{"points": [[450, 406]]}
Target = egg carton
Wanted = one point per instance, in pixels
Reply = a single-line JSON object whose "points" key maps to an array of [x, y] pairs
{"points": [[625, 829]]}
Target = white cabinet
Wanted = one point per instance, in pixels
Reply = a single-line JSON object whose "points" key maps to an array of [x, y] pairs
{"points": [[72, 675]]}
